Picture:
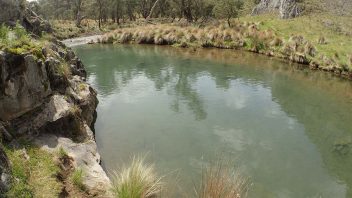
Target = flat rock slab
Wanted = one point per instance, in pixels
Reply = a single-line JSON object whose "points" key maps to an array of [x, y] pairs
{"points": [[85, 157]]}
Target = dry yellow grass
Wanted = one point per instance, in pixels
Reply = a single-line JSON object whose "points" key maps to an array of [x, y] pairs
{"points": [[220, 180], [255, 36], [137, 180]]}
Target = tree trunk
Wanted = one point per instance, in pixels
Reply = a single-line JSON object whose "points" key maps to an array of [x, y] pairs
{"points": [[152, 10], [78, 19], [78, 16]]}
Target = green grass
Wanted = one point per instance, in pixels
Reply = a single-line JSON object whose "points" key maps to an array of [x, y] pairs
{"points": [[35, 176], [4, 32], [77, 179], [337, 30], [64, 69], [62, 153], [299, 39], [18, 41], [137, 180]]}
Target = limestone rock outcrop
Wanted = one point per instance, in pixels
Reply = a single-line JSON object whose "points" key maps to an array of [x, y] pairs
{"points": [[24, 84], [286, 8], [47, 99]]}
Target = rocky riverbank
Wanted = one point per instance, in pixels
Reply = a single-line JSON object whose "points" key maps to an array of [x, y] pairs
{"points": [[47, 101], [82, 40], [47, 113]]}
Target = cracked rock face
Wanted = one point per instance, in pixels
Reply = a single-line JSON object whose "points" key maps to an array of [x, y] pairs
{"points": [[286, 8], [24, 84], [54, 109]]}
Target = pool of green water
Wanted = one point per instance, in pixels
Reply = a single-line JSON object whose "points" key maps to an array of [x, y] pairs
{"points": [[287, 129]]}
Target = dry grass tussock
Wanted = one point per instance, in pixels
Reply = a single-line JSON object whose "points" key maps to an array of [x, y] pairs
{"points": [[220, 180], [137, 180], [242, 35]]}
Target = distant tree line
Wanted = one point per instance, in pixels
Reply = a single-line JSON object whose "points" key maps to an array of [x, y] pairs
{"points": [[121, 10]]}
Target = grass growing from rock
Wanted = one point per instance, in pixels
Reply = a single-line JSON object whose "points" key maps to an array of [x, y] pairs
{"points": [[18, 41], [77, 179], [34, 172], [137, 180]]}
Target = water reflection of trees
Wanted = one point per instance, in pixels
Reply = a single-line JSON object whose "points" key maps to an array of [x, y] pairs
{"points": [[116, 66], [325, 115], [113, 68]]}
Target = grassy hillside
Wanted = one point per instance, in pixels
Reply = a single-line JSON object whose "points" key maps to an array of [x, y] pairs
{"points": [[330, 34], [333, 7]]}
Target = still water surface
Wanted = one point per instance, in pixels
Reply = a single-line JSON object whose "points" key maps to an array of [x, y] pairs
{"points": [[288, 129]]}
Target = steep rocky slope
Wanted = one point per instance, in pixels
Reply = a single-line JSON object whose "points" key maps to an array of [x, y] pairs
{"points": [[52, 108], [45, 100], [293, 8], [286, 8]]}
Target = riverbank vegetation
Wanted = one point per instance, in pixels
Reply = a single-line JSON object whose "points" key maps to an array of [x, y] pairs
{"points": [[222, 180], [33, 172], [39, 173], [137, 180], [256, 36], [140, 180], [16, 40], [320, 37]]}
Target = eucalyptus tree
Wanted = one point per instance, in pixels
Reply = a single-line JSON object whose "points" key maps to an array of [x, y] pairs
{"points": [[227, 9]]}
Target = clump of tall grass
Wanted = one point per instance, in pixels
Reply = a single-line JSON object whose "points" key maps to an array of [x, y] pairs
{"points": [[223, 181], [137, 180], [77, 179]]}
